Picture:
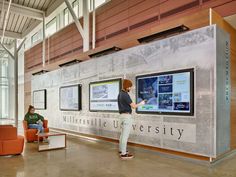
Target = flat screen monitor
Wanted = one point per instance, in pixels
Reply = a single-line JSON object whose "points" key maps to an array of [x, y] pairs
{"points": [[70, 98], [103, 95], [166, 93], [40, 99]]}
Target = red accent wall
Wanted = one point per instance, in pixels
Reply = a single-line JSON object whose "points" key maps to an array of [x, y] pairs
{"points": [[118, 19]]}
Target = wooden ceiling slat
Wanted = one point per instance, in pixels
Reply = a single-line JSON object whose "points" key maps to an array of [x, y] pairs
{"points": [[36, 4], [46, 4], [21, 24], [27, 24], [41, 4], [31, 4], [1, 21], [20, 2], [15, 1], [18, 19], [9, 21], [13, 22], [26, 2]]}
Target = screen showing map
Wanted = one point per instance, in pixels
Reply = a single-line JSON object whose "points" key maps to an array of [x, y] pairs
{"points": [[103, 95], [40, 99], [70, 98], [169, 92]]}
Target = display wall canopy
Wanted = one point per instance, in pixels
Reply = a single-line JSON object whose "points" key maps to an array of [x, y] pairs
{"points": [[70, 98], [169, 92], [69, 63], [40, 99], [164, 34], [103, 95], [40, 72], [105, 52]]}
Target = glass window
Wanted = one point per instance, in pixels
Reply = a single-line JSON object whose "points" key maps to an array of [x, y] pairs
{"points": [[75, 5], [4, 88], [77, 8], [36, 37], [51, 27], [90, 5], [66, 17], [80, 8], [97, 3]]}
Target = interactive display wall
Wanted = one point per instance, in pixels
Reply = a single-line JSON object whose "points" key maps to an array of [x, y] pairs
{"points": [[70, 98], [171, 123], [103, 95], [166, 93], [40, 99]]}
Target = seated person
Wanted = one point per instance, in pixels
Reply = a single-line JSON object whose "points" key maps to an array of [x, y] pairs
{"points": [[34, 120]]}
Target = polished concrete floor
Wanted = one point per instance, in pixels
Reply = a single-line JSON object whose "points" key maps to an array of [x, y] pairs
{"points": [[91, 158]]}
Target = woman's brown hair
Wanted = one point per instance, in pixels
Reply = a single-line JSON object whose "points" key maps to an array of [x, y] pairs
{"points": [[30, 107], [126, 84]]}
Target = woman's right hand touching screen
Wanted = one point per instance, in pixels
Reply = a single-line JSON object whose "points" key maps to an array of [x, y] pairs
{"points": [[134, 105]]}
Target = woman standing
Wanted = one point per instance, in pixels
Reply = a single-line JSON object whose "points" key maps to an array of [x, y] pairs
{"points": [[126, 105]]}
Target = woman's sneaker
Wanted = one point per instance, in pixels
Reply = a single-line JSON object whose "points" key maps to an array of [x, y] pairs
{"points": [[126, 156], [127, 152]]}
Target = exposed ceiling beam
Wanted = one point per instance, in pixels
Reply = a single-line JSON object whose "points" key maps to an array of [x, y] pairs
{"points": [[23, 10], [12, 35], [53, 7], [6, 20]]}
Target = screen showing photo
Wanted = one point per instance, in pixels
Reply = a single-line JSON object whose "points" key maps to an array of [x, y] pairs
{"points": [[169, 92], [70, 98], [103, 95]]}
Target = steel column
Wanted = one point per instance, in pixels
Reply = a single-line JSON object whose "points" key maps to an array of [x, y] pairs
{"points": [[43, 49], [94, 26]]}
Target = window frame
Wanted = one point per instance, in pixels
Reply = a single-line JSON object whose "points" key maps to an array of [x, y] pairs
{"points": [[66, 10], [74, 4], [4, 89], [91, 4], [32, 40], [49, 23]]}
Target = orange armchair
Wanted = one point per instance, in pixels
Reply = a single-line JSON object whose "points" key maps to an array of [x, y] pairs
{"points": [[30, 134], [10, 143]]}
